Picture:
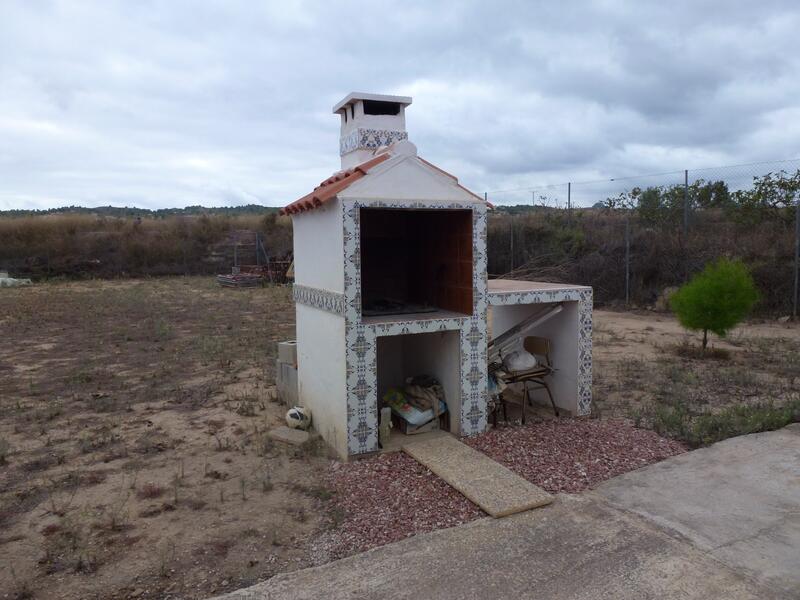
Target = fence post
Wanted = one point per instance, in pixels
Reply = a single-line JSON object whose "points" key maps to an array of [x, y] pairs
{"points": [[627, 257], [685, 202], [511, 221], [796, 253], [684, 237], [569, 201]]}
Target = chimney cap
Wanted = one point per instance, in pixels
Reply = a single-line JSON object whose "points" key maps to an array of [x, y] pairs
{"points": [[355, 96]]}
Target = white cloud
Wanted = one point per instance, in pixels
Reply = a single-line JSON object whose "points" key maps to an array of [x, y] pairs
{"points": [[180, 103]]}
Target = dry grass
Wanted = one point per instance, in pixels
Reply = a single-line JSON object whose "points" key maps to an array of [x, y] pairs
{"points": [[82, 244], [590, 248], [548, 245], [131, 440], [748, 382], [134, 416]]}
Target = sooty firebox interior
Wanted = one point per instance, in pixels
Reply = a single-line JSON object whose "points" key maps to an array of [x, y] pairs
{"points": [[415, 261]]}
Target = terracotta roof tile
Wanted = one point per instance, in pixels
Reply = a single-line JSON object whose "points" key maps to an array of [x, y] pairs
{"points": [[334, 184], [328, 189]]}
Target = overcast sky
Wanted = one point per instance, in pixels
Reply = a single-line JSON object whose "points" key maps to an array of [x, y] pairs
{"points": [[175, 103]]}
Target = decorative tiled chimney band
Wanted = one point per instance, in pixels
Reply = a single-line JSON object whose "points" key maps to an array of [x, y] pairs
{"points": [[332, 302], [364, 139]]}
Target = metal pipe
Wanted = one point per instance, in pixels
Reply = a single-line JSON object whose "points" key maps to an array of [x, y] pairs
{"points": [[512, 336]]}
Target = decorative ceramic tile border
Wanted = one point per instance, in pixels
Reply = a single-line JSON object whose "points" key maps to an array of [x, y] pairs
{"points": [[361, 139], [332, 302], [361, 338], [582, 295]]}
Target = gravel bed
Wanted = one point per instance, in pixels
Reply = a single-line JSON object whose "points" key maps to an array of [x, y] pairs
{"points": [[571, 455], [386, 499], [390, 497]]}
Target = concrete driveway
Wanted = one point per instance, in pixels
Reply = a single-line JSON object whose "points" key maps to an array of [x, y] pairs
{"points": [[722, 522], [738, 500]]}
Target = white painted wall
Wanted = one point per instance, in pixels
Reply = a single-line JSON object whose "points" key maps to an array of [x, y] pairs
{"points": [[563, 330], [436, 353], [321, 372], [319, 247], [391, 371], [439, 354], [407, 178]]}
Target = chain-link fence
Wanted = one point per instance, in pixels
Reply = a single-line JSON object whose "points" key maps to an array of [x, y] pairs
{"points": [[632, 237]]}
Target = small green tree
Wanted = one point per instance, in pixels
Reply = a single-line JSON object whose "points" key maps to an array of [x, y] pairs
{"points": [[716, 299]]}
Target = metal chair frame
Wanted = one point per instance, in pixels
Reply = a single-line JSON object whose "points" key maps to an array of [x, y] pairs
{"points": [[539, 346]]}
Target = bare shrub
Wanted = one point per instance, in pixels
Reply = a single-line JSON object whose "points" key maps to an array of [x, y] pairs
{"points": [[5, 451], [67, 547], [89, 245], [693, 351], [150, 490], [590, 249]]}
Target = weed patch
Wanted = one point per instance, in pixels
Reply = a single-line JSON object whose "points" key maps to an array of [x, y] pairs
{"points": [[150, 490], [676, 420], [695, 352], [5, 451]]}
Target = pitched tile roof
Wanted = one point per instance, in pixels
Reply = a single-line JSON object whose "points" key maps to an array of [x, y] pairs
{"points": [[328, 189], [341, 180]]}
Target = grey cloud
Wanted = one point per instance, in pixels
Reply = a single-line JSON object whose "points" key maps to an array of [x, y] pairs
{"points": [[178, 103]]}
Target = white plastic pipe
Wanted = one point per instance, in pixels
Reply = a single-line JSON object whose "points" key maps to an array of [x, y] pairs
{"points": [[512, 337]]}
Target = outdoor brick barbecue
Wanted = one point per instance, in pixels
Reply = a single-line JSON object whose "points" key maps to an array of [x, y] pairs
{"points": [[390, 281]]}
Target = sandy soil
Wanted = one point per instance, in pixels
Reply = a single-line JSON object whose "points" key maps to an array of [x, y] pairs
{"points": [[640, 358], [135, 415], [621, 335], [133, 456]]}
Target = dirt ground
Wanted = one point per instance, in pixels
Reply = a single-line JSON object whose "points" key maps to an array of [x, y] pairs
{"points": [[133, 416], [133, 456], [646, 359]]}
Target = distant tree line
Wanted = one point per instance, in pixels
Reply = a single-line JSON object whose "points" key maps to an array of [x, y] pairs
{"points": [[159, 213], [770, 199]]}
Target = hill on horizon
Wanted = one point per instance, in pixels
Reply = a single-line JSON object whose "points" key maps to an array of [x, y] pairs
{"points": [[132, 211]]}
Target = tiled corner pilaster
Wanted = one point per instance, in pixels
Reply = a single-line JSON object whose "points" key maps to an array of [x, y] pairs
{"points": [[361, 355]]}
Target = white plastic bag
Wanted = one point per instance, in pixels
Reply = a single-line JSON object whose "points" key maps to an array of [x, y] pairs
{"points": [[519, 360]]}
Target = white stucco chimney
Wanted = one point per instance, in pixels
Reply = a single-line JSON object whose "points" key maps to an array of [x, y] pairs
{"points": [[369, 121]]}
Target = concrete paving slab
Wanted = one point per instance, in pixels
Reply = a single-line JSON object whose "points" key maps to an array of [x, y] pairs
{"points": [[496, 489], [577, 548], [296, 437], [738, 499]]}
